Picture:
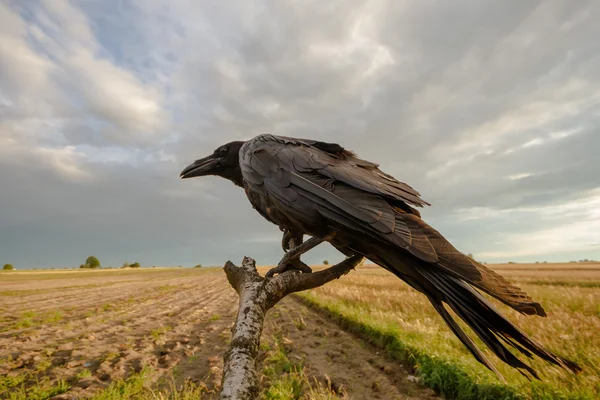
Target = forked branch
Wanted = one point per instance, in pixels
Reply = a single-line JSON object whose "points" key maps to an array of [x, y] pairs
{"points": [[257, 295]]}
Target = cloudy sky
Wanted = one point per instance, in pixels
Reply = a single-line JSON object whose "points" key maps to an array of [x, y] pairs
{"points": [[490, 109]]}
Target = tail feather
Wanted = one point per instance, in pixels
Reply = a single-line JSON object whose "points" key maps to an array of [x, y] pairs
{"points": [[426, 240], [489, 325], [464, 338], [478, 324]]}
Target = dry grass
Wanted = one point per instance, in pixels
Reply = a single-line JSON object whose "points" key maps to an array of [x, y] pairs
{"points": [[382, 308]]}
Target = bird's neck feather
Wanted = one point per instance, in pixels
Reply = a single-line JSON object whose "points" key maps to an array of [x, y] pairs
{"points": [[234, 175]]}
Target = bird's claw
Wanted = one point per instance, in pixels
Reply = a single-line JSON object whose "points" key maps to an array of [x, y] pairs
{"points": [[293, 265]]}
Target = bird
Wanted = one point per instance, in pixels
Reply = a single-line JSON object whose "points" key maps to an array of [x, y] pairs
{"points": [[320, 189]]}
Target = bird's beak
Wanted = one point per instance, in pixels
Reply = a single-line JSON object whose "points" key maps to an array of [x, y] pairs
{"points": [[201, 167]]}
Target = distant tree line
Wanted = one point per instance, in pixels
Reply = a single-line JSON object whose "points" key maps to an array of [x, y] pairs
{"points": [[92, 262]]}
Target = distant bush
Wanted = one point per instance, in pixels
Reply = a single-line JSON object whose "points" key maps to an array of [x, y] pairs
{"points": [[325, 262], [132, 265], [8, 267], [154, 266], [198, 266], [512, 262], [92, 262]]}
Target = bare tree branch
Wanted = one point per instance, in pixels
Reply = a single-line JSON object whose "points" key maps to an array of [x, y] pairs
{"points": [[257, 295], [237, 276], [291, 281]]}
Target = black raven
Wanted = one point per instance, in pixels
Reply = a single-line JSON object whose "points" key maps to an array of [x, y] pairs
{"points": [[307, 187]]}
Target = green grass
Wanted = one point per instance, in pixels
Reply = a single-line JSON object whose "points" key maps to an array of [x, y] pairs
{"points": [[289, 386], [134, 387], [286, 379], [84, 373], [140, 386], [28, 319], [53, 317], [159, 332], [214, 317], [394, 317], [167, 288], [8, 382], [14, 388]]}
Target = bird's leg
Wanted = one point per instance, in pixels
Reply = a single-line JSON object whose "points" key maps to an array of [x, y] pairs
{"points": [[290, 240], [291, 259]]}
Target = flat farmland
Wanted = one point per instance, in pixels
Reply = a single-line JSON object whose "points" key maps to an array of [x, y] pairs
{"points": [[161, 334], [388, 313]]}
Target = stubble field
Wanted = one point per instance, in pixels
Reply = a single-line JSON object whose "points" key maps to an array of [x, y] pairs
{"points": [[161, 334]]}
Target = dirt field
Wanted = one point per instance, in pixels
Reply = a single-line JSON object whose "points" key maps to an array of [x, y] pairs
{"points": [[82, 334]]}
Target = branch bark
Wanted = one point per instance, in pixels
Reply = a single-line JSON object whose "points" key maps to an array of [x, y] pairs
{"points": [[256, 296]]}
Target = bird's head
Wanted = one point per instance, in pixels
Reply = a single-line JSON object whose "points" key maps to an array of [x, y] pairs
{"points": [[223, 162]]}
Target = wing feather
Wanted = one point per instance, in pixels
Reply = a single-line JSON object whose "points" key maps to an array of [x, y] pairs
{"points": [[337, 163], [316, 181]]}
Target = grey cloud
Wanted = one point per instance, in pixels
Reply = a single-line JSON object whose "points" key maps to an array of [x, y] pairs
{"points": [[442, 95]]}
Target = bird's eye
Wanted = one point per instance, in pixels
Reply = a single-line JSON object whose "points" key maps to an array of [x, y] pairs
{"points": [[223, 151]]}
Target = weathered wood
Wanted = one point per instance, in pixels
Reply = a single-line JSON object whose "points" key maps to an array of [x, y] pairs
{"points": [[256, 296], [239, 372]]}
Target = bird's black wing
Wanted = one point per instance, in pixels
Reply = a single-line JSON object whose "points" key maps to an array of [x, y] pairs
{"points": [[333, 161], [319, 186], [317, 182]]}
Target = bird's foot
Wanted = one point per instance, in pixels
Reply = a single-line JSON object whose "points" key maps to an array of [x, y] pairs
{"points": [[291, 265], [291, 259], [290, 240]]}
